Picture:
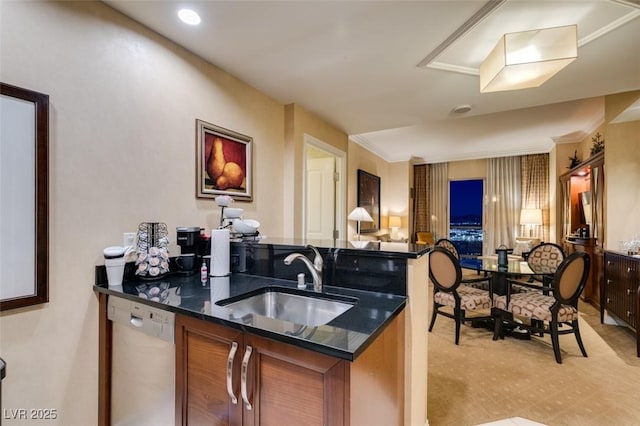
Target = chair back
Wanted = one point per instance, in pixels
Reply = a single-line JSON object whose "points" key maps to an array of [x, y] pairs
{"points": [[571, 277], [545, 258], [444, 269], [448, 244]]}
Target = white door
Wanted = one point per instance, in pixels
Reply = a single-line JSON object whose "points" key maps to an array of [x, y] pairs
{"points": [[321, 196]]}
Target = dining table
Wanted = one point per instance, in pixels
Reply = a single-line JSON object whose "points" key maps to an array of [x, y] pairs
{"points": [[500, 277], [500, 274]]}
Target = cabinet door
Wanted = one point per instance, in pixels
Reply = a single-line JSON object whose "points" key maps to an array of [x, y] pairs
{"points": [[204, 353], [613, 284], [287, 385]]}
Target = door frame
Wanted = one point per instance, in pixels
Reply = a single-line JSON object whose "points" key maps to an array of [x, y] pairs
{"points": [[341, 185]]}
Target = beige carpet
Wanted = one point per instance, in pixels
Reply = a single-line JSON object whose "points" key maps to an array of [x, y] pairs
{"points": [[481, 380]]}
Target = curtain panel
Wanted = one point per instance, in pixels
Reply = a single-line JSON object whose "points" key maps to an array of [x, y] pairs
{"points": [[439, 200], [502, 203], [534, 171], [421, 221]]}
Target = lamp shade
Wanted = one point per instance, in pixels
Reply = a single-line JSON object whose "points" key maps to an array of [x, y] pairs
{"points": [[394, 222], [531, 217], [360, 214], [529, 58]]}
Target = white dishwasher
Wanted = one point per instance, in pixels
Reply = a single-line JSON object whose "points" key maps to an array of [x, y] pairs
{"points": [[143, 364]]}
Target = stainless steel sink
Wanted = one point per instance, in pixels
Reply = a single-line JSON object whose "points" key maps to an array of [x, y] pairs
{"points": [[299, 307]]}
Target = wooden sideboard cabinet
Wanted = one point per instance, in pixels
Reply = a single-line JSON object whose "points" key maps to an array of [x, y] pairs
{"points": [[621, 290]]}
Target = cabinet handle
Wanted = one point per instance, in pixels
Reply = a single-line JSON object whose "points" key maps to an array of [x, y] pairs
{"points": [[629, 314], [243, 378], [630, 270], [609, 281], [232, 355], [608, 300], [630, 292]]}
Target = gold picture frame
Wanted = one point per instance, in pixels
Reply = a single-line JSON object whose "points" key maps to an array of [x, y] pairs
{"points": [[223, 162]]}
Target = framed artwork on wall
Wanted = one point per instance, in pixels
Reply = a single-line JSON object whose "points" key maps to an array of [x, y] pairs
{"points": [[24, 199], [369, 198], [223, 162]]}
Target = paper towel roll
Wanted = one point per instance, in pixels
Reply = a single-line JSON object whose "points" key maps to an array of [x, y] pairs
{"points": [[219, 253]]}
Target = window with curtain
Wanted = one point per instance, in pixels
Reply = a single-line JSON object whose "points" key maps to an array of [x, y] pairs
{"points": [[512, 184]]}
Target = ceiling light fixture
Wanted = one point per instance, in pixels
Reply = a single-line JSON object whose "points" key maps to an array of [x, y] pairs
{"points": [[528, 59], [461, 109], [189, 16]]}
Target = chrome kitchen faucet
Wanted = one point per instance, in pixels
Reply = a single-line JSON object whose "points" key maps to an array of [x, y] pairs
{"points": [[315, 268]]}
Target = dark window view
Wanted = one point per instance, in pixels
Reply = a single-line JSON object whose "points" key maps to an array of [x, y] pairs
{"points": [[465, 216]]}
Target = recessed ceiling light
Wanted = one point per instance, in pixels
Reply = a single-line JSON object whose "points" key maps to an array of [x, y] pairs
{"points": [[189, 16], [461, 109]]}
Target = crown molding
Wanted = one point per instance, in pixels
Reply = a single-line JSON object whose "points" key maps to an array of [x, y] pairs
{"points": [[363, 142], [470, 23]]}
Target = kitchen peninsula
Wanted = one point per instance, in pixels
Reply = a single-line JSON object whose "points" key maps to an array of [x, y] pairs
{"points": [[364, 366]]}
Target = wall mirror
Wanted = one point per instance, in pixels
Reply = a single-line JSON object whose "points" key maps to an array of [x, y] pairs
{"points": [[24, 207]]}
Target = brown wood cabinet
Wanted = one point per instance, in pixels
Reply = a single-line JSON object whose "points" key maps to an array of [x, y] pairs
{"points": [[202, 353], [621, 290], [263, 382], [591, 292]]}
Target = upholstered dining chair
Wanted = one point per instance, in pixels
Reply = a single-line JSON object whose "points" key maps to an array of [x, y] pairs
{"points": [[468, 277], [547, 312], [448, 290], [545, 258]]}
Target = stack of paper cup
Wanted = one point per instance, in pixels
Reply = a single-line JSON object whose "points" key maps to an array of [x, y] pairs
{"points": [[114, 261], [220, 259]]}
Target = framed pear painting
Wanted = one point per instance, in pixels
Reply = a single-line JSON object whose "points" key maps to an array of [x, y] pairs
{"points": [[223, 162]]}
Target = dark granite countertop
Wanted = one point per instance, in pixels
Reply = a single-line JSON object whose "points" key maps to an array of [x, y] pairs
{"points": [[370, 248], [345, 337]]}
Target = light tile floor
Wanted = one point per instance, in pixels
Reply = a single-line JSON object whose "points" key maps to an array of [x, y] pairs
{"points": [[482, 381]]}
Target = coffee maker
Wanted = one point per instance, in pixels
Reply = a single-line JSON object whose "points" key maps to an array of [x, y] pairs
{"points": [[188, 238]]}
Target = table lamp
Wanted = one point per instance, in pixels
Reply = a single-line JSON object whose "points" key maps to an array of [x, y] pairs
{"points": [[531, 217], [394, 224], [359, 214]]}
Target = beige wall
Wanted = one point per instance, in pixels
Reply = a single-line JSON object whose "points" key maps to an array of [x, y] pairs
{"points": [[622, 172], [468, 169], [123, 104], [396, 196], [299, 122], [360, 158]]}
